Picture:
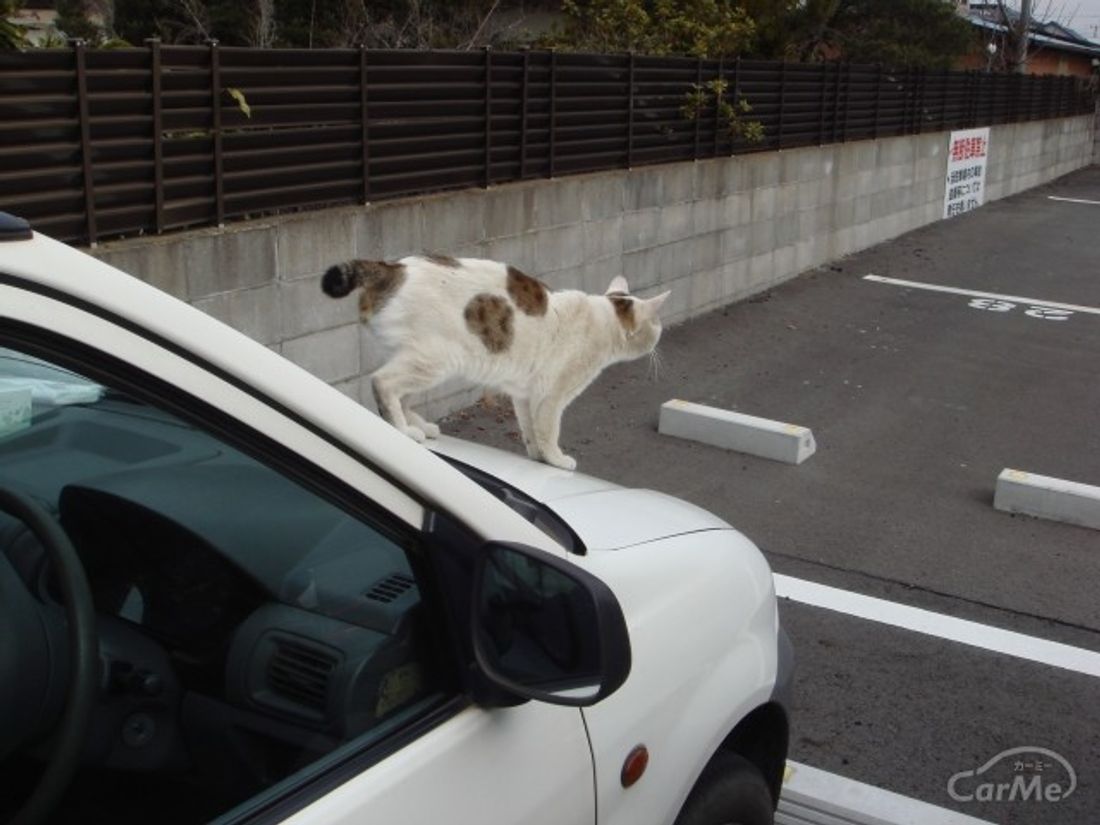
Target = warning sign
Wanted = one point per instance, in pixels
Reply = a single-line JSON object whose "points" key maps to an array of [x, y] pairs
{"points": [[967, 154]]}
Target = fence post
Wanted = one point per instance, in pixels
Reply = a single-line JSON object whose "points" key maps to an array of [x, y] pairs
{"points": [[917, 116], [719, 91], [979, 97], [1017, 93], [847, 101], [908, 101], [364, 112], [736, 96], [878, 100], [782, 101], [973, 89], [523, 114], [488, 116], [630, 114], [216, 104], [916, 89], [85, 139], [945, 79], [836, 104], [824, 67], [158, 132], [553, 107], [699, 114]]}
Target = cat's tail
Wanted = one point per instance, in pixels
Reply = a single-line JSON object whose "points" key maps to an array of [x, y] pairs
{"points": [[379, 280], [341, 279]]}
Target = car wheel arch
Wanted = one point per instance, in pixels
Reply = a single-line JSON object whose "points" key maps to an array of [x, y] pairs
{"points": [[762, 737]]}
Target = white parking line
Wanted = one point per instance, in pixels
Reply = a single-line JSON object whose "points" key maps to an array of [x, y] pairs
{"points": [[1072, 200], [987, 637], [972, 293]]}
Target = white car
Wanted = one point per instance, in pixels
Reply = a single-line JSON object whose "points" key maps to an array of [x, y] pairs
{"points": [[228, 592]]}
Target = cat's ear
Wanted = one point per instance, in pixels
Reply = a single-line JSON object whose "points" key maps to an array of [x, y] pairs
{"points": [[618, 284], [651, 306]]}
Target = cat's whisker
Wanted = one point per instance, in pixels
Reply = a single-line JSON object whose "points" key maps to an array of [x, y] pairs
{"points": [[653, 373]]}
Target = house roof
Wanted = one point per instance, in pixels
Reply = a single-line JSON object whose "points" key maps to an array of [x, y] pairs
{"points": [[1049, 34]]}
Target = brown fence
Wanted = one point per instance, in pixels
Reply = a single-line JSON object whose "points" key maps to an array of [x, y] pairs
{"points": [[98, 144]]}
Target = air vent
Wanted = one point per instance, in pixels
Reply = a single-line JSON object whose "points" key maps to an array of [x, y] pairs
{"points": [[300, 673], [391, 587]]}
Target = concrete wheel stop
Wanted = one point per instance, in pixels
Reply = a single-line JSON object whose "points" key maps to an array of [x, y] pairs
{"points": [[1048, 498], [742, 433]]}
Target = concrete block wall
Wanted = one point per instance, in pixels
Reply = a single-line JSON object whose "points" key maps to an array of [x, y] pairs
{"points": [[712, 231]]}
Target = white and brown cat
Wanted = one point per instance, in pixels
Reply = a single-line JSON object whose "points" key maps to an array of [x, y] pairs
{"points": [[492, 325]]}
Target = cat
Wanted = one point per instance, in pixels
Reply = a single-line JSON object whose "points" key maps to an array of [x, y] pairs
{"points": [[492, 325]]}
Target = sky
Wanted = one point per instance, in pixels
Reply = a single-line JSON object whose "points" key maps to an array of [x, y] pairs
{"points": [[1081, 15]]}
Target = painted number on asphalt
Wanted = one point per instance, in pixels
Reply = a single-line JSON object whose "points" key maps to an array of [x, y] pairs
{"points": [[1045, 313]]}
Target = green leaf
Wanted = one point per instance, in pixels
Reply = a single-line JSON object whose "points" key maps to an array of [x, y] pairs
{"points": [[242, 102]]}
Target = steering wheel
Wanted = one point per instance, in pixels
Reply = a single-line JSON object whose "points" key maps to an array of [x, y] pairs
{"points": [[84, 653]]}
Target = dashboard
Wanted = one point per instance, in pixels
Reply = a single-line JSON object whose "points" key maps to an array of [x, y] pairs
{"points": [[234, 605]]}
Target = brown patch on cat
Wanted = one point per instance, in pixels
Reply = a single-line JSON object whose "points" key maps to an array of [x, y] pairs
{"points": [[443, 260], [379, 281], [489, 317], [624, 309], [529, 293]]}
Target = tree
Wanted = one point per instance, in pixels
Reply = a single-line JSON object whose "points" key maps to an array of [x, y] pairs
{"points": [[12, 35], [701, 28], [72, 18], [136, 20], [424, 24], [921, 33], [924, 33], [416, 24], [792, 29], [1013, 44]]}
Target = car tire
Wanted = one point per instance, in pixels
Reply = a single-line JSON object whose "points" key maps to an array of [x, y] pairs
{"points": [[731, 791]]}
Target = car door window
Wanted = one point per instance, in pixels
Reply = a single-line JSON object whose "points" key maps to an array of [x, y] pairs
{"points": [[249, 628]]}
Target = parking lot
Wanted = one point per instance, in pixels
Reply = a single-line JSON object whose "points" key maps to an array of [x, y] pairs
{"points": [[918, 394]]}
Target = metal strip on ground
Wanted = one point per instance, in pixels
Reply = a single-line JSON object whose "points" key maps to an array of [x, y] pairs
{"points": [[987, 637], [973, 293], [814, 797]]}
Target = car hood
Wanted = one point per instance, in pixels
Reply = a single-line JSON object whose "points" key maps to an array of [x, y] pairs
{"points": [[603, 514]]}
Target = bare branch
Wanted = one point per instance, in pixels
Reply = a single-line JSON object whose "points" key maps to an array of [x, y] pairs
{"points": [[195, 24], [261, 32], [481, 26]]}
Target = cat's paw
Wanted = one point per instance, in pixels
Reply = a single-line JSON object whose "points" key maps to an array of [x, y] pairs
{"points": [[415, 433], [429, 429], [565, 462]]}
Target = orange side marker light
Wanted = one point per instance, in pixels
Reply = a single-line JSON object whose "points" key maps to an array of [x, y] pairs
{"points": [[634, 766]]}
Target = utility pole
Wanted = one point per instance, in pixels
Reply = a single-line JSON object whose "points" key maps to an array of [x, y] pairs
{"points": [[1025, 35]]}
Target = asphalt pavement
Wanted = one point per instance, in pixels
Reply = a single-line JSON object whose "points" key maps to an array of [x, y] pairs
{"points": [[918, 398]]}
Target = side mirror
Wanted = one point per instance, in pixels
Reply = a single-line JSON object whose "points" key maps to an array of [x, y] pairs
{"points": [[544, 629]]}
